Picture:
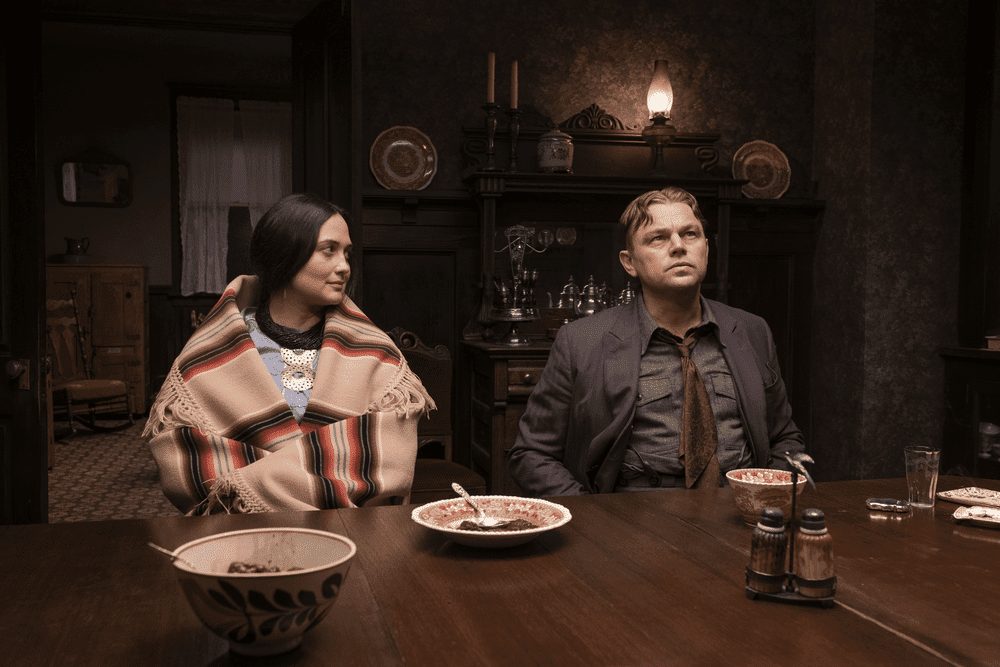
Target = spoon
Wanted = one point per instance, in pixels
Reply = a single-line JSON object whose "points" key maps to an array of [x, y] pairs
{"points": [[482, 520], [172, 556]]}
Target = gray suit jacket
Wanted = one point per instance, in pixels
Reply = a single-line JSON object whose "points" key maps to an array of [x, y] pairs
{"points": [[578, 422]]}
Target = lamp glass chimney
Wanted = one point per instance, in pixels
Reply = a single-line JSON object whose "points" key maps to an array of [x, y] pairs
{"points": [[660, 97]]}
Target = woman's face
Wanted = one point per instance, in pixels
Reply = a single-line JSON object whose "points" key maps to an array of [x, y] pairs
{"points": [[322, 280]]}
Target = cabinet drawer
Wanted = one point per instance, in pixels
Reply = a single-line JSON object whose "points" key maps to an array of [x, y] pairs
{"points": [[522, 376]]}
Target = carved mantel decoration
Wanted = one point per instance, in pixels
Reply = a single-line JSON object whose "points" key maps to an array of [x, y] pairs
{"points": [[595, 118], [600, 139]]}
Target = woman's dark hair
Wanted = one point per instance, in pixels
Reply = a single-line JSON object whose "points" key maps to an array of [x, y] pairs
{"points": [[285, 238]]}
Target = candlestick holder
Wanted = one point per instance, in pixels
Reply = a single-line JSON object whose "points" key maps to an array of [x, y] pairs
{"points": [[513, 128], [491, 129]]}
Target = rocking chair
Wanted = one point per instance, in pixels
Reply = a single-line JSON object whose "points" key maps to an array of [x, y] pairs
{"points": [[76, 395]]}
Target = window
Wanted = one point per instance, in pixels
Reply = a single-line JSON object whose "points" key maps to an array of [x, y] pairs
{"points": [[234, 161]]}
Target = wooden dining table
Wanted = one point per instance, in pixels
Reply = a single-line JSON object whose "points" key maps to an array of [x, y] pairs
{"points": [[654, 578]]}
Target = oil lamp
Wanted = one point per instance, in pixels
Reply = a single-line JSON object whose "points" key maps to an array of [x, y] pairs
{"points": [[659, 100]]}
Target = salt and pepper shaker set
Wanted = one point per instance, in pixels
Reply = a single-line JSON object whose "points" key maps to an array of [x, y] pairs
{"points": [[810, 573]]}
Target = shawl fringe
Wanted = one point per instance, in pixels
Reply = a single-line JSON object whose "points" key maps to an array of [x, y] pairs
{"points": [[405, 395], [175, 407], [232, 495]]}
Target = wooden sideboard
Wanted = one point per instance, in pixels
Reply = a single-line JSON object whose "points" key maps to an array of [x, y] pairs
{"points": [[498, 380], [972, 396], [112, 303]]}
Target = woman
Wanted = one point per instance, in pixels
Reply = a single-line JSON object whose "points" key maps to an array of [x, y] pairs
{"points": [[287, 397]]}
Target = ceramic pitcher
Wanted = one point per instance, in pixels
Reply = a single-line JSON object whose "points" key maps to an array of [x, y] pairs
{"points": [[77, 246]]}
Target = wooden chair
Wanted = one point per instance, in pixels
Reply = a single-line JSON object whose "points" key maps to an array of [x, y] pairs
{"points": [[76, 395], [432, 477]]}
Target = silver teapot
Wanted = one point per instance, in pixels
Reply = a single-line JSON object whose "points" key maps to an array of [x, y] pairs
{"points": [[569, 296], [591, 300], [627, 295]]}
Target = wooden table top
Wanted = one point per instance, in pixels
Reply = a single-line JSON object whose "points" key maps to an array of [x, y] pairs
{"points": [[634, 579]]}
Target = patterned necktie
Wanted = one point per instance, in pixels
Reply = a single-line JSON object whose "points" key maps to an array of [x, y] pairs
{"points": [[699, 437]]}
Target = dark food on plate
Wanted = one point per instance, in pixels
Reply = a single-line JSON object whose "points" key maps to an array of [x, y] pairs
{"points": [[515, 524], [239, 567]]}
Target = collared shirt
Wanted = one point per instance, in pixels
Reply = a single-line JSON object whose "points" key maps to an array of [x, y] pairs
{"points": [[657, 425]]}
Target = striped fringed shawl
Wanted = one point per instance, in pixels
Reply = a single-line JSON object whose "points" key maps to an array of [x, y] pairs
{"points": [[224, 438]]}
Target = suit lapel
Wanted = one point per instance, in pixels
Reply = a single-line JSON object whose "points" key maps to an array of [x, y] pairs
{"points": [[740, 359], [620, 355]]}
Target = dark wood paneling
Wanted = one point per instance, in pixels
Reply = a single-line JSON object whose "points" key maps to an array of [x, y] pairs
{"points": [[979, 271], [412, 290], [972, 397], [23, 455], [423, 246], [172, 320], [328, 155]]}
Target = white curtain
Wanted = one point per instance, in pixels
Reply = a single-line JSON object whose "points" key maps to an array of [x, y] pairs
{"points": [[205, 157], [267, 147]]}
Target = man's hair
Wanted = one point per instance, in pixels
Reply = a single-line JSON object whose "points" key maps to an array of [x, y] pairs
{"points": [[636, 215], [285, 238]]}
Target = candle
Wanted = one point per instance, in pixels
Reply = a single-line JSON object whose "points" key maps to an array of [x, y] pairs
{"points": [[490, 64], [513, 85]]}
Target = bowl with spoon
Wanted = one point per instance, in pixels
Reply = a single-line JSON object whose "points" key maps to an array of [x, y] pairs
{"points": [[262, 589], [491, 522]]}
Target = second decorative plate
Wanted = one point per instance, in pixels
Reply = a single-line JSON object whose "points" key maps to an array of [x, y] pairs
{"points": [[765, 166], [403, 158]]}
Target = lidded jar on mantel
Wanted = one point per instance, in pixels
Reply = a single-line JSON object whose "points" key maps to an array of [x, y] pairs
{"points": [[555, 152]]}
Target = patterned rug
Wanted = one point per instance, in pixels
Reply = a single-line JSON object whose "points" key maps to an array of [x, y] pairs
{"points": [[99, 476]]}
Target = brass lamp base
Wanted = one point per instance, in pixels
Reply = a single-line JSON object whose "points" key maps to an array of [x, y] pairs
{"points": [[659, 135]]}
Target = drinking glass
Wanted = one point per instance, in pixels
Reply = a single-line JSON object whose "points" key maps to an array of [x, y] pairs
{"points": [[922, 474]]}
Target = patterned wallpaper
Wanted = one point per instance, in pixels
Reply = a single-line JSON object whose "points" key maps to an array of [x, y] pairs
{"points": [[740, 69]]}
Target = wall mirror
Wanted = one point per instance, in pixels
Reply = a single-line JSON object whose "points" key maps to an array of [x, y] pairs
{"points": [[94, 178]]}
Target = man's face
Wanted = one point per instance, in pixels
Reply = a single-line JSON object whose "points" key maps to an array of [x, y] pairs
{"points": [[670, 254]]}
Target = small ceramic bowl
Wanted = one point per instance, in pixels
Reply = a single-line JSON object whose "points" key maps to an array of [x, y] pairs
{"points": [[264, 613], [444, 516], [757, 488]]}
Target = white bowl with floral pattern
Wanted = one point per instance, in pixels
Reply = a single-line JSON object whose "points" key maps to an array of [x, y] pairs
{"points": [[757, 488], [445, 517], [264, 613]]}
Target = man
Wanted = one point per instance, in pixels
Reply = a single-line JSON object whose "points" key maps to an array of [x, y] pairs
{"points": [[619, 408]]}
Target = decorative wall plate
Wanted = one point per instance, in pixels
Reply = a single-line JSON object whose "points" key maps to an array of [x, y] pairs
{"points": [[765, 166], [972, 495], [403, 158]]}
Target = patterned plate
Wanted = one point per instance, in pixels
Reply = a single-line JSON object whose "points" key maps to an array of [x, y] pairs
{"points": [[988, 517], [972, 495], [444, 516], [403, 158], [765, 166]]}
